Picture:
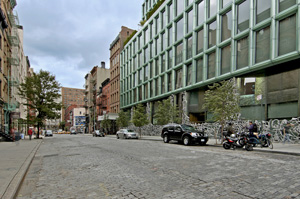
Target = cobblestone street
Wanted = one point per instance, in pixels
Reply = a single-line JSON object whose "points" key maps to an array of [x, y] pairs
{"points": [[80, 166]]}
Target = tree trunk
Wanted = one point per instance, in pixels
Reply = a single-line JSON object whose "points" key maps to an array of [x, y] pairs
{"points": [[38, 131]]}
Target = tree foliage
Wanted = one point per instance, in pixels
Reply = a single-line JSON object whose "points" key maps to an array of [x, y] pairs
{"points": [[41, 91], [139, 118], [123, 119], [222, 101], [166, 113], [106, 123]]}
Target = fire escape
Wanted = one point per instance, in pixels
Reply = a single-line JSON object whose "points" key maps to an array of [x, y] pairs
{"points": [[13, 65]]}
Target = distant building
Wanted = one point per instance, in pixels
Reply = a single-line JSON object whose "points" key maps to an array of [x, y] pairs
{"points": [[115, 49], [71, 96], [93, 82]]}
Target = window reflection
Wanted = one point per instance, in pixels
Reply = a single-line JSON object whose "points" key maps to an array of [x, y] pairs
{"points": [[226, 3], [243, 16], [262, 45], [200, 13], [211, 65], [189, 75], [180, 7], [190, 21], [178, 82], [179, 29], [242, 53], [189, 52], [179, 53], [226, 25], [212, 8], [287, 38], [200, 39], [285, 4], [212, 28], [263, 10], [199, 70], [225, 60]]}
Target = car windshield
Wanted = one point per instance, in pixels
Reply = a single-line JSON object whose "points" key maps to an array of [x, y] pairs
{"points": [[187, 127], [130, 131]]}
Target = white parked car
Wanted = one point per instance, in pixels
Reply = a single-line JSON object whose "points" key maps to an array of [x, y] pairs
{"points": [[48, 133], [125, 133]]}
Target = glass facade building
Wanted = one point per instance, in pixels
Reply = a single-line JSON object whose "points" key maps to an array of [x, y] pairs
{"points": [[186, 45]]}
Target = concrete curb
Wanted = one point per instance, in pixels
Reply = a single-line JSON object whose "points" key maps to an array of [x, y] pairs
{"points": [[15, 183]]}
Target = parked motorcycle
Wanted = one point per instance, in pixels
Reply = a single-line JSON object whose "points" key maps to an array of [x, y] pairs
{"points": [[230, 142]]}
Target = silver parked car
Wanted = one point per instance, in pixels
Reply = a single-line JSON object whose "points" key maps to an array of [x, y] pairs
{"points": [[125, 133]]}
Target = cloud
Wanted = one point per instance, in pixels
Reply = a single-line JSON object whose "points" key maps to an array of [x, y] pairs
{"points": [[69, 37]]}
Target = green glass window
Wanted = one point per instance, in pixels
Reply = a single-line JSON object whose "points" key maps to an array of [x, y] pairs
{"points": [[162, 80], [180, 7], [169, 81], [150, 31], [156, 66], [242, 53], [189, 49], [262, 47], [199, 70], [226, 3], [147, 36], [212, 8], [212, 29], [146, 91], [179, 54], [225, 59], [170, 59], [147, 54], [163, 42], [200, 41], [211, 65], [157, 86], [135, 46], [153, 31], [171, 13], [140, 94], [285, 4], [163, 63], [287, 35], [156, 25], [189, 70], [179, 29], [140, 61], [178, 83], [200, 13], [151, 47], [190, 17], [146, 73], [140, 76], [243, 16], [151, 89], [135, 83], [263, 10], [189, 2], [170, 36], [157, 44], [226, 25], [163, 19], [151, 70]]}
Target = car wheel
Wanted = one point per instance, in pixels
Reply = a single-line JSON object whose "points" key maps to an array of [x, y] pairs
{"points": [[166, 138], [202, 143], [186, 140]]}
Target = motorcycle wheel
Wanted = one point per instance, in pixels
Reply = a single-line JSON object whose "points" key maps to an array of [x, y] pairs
{"points": [[249, 147], [241, 142], [226, 145], [270, 144]]}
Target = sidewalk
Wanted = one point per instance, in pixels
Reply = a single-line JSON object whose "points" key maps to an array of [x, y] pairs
{"points": [[290, 149], [15, 159]]}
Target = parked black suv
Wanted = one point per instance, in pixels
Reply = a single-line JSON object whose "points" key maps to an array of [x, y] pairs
{"points": [[183, 133]]}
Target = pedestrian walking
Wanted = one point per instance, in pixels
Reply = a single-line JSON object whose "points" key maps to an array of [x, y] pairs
{"points": [[30, 133], [286, 132]]}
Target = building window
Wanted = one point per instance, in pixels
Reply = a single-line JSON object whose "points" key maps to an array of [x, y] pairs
{"points": [[156, 66], [147, 35], [225, 59], [153, 29], [151, 72], [211, 65], [163, 63], [287, 35], [189, 49], [199, 70], [179, 54], [189, 26], [242, 53], [170, 59], [263, 10], [243, 16], [262, 45], [189, 74], [169, 81], [170, 36], [200, 13], [212, 8], [146, 91], [158, 46], [162, 84], [163, 19], [226, 3], [157, 87], [212, 29], [146, 73], [156, 25], [178, 79], [163, 42], [146, 54], [226, 25], [179, 7], [200, 41], [134, 95], [285, 4], [151, 89], [179, 29], [140, 94], [171, 13]]}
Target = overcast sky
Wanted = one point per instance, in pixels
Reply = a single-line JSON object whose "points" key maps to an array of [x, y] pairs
{"points": [[69, 37]]}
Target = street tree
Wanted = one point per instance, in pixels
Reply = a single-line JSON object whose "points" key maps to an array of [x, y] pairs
{"points": [[41, 90], [167, 112], [106, 123], [123, 119], [222, 101], [140, 117]]}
